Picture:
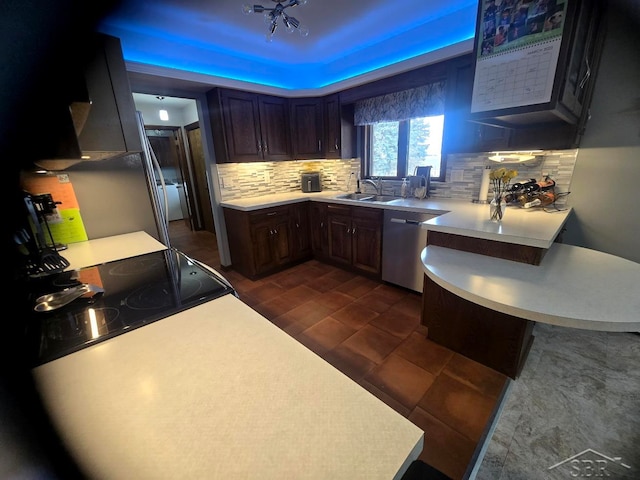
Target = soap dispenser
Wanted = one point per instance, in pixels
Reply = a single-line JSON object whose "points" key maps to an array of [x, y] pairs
{"points": [[404, 188]]}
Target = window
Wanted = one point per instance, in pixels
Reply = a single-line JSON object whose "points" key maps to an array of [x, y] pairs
{"points": [[395, 149]]}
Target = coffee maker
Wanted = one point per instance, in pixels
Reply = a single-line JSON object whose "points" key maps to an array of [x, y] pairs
{"points": [[38, 256]]}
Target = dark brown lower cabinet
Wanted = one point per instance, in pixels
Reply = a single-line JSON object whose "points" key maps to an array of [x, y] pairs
{"points": [[355, 237], [319, 230], [299, 231], [259, 241]]}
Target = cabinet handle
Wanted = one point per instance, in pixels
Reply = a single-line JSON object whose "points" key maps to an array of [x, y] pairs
{"points": [[321, 224], [319, 145], [272, 213], [354, 231], [348, 230], [587, 74], [275, 231], [265, 148], [336, 145], [297, 225]]}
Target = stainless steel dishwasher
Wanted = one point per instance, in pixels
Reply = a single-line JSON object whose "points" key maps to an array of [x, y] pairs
{"points": [[403, 239]]}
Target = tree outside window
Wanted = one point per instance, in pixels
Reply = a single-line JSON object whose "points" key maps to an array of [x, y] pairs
{"points": [[397, 148]]}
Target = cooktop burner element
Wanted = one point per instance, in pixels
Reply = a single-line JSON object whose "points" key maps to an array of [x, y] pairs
{"points": [[137, 291]]}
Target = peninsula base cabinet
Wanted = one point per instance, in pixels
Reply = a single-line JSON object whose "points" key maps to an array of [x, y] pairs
{"points": [[494, 339], [355, 238]]}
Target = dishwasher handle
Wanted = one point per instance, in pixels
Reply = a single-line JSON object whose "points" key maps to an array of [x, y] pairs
{"points": [[405, 220]]}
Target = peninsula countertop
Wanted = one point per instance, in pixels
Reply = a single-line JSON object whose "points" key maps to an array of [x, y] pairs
{"points": [[533, 227], [572, 287], [217, 391]]}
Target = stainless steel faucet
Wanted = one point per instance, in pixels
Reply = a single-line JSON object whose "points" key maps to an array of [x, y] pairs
{"points": [[376, 184]]}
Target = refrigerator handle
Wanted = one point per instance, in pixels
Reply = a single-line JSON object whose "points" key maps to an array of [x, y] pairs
{"points": [[148, 160]]}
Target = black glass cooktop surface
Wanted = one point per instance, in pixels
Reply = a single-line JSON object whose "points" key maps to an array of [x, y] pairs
{"points": [[137, 291]]}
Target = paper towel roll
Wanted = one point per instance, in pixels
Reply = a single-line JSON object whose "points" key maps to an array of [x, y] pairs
{"points": [[484, 185]]}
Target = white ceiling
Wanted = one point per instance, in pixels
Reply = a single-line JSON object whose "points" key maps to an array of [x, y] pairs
{"points": [[350, 42]]}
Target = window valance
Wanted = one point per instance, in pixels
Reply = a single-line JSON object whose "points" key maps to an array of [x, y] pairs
{"points": [[424, 101]]}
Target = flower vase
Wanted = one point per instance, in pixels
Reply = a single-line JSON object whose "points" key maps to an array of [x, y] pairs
{"points": [[496, 208]]}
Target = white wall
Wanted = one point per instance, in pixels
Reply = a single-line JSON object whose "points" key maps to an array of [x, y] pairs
{"points": [[606, 179]]}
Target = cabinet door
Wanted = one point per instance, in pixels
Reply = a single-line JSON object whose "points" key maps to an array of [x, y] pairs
{"points": [[366, 227], [319, 230], [270, 239], [262, 238], [333, 127], [461, 135], [111, 124], [339, 232], [587, 42], [307, 127], [299, 225], [242, 126], [274, 126]]}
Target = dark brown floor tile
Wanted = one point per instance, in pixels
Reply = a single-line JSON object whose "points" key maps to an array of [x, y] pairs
{"points": [[401, 379], [357, 286], [373, 343], [390, 293], [328, 332], [374, 302], [460, 406], [298, 295], [444, 448], [266, 292], [396, 323], [423, 352], [333, 300], [304, 316], [273, 308], [311, 343], [411, 304], [354, 315], [484, 379], [341, 275], [386, 398], [324, 284], [352, 364]]}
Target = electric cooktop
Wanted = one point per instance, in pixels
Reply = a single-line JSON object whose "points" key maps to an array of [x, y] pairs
{"points": [[137, 291]]}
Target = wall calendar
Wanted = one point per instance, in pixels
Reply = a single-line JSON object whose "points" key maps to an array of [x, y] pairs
{"points": [[518, 45]]}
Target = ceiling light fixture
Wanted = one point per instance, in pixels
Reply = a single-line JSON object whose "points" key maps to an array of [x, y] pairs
{"points": [[271, 16]]}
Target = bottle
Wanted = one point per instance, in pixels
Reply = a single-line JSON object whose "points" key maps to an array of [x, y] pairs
{"points": [[404, 188], [541, 200]]}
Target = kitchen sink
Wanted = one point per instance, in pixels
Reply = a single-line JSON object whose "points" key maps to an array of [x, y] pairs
{"points": [[379, 198], [367, 197], [355, 196]]}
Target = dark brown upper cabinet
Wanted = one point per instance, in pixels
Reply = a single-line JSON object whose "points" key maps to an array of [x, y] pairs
{"points": [[511, 87], [340, 133], [307, 126], [249, 127]]}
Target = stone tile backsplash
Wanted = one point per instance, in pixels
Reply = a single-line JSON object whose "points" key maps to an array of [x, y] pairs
{"points": [[242, 180]]}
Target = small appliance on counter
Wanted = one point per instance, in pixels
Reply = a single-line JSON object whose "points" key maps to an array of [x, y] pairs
{"points": [[311, 182]]}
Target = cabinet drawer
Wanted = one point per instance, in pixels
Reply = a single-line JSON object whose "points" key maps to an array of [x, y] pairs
{"points": [[267, 214]]}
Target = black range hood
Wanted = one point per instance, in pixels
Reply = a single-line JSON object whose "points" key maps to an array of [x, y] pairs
{"points": [[99, 121]]}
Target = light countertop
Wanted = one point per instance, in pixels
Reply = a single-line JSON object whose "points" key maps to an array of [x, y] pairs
{"points": [[218, 391], [572, 287], [100, 250], [531, 227]]}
